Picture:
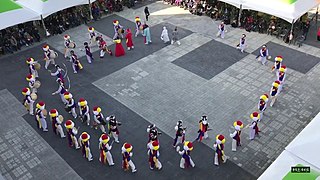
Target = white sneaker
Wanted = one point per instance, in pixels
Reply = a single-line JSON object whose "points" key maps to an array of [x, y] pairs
{"points": [[134, 170]]}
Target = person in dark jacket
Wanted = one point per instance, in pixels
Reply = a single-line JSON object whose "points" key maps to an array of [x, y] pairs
{"points": [[147, 13]]}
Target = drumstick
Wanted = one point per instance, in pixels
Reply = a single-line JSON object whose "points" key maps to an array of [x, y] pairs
{"points": [[65, 71], [111, 143], [69, 83]]}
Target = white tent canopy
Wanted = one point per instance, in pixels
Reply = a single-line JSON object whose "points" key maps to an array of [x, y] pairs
{"points": [[47, 7], [12, 14], [20, 11], [289, 10]]}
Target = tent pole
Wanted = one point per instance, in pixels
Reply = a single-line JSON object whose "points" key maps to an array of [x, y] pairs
{"points": [[239, 18], [90, 11], [317, 14], [292, 25], [44, 26]]}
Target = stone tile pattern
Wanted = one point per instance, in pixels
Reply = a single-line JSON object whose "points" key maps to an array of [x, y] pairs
{"points": [[211, 63], [163, 94], [23, 153]]}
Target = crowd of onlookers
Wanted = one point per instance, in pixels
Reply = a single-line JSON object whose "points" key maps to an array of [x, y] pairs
{"points": [[13, 38], [250, 20]]}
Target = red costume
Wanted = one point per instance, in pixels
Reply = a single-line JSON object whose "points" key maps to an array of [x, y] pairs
{"points": [[119, 51], [129, 39]]}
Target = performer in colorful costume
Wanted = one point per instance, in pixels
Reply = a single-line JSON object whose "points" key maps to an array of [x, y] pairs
{"points": [[113, 127], [105, 148], [28, 101], [119, 51], [219, 156], [186, 160], [32, 69], [85, 146], [242, 43], [165, 35], [76, 65], [103, 47], [118, 29], [56, 121], [88, 53], [254, 129], [126, 157], [49, 56], [61, 90], [153, 133], [274, 92], [58, 73], [92, 37], [71, 134], [281, 76], [238, 125], [203, 129], [153, 152], [129, 41], [263, 102], [31, 79], [68, 44], [99, 119], [146, 34], [71, 105], [139, 26], [41, 116], [277, 63], [180, 133], [84, 111], [264, 54], [221, 30]]}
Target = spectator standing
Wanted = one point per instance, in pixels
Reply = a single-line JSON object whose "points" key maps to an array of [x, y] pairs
{"points": [[14, 43], [146, 12], [306, 29]]}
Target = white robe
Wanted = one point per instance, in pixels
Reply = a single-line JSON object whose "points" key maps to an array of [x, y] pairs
{"points": [[164, 35]]}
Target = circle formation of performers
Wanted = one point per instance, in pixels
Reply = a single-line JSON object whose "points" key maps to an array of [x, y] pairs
{"points": [[109, 126]]}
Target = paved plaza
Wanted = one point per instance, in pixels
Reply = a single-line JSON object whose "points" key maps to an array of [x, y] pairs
{"points": [[161, 84]]}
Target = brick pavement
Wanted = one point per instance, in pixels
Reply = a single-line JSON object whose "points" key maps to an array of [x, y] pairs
{"points": [[24, 154], [158, 91], [230, 95]]}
